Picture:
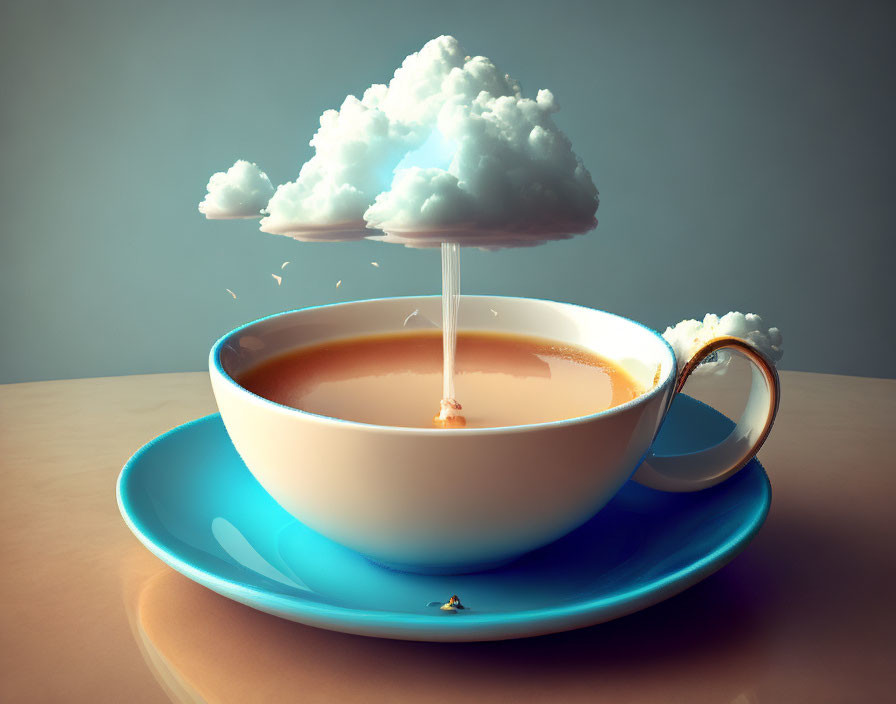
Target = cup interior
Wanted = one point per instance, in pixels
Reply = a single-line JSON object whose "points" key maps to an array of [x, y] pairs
{"points": [[640, 351]]}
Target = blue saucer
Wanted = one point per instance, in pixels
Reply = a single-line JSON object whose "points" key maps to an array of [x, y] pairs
{"points": [[190, 499]]}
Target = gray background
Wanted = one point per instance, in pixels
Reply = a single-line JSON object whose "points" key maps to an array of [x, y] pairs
{"points": [[743, 152]]}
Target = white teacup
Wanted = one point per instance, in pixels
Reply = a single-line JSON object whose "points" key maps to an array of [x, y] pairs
{"points": [[462, 500]]}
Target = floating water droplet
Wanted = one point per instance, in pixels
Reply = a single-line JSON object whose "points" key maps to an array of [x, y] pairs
{"points": [[412, 315]]}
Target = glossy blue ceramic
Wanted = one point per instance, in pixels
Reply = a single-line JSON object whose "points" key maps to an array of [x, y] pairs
{"points": [[189, 498]]}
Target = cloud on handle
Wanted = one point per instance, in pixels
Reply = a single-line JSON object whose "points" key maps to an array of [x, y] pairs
{"points": [[240, 192], [449, 150], [688, 336]]}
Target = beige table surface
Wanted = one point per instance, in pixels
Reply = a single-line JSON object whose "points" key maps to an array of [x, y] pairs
{"points": [[805, 614]]}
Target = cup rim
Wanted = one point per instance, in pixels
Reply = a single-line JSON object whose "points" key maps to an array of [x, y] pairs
{"points": [[216, 367]]}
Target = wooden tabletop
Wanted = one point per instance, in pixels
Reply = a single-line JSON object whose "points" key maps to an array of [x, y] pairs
{"points": [[806, 613]]}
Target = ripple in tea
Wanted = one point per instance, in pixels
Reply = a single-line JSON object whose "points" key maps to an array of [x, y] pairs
{"points": [[502, 379]]}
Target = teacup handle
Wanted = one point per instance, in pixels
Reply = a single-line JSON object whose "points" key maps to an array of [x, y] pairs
{"points": [[698, 470]]}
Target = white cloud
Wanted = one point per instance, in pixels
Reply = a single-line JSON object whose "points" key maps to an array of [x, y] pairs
{"points": [[688, 336], [448, 150], [240, 192], [514, 180]]}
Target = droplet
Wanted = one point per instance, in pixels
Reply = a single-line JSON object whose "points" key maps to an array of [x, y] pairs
{"points": [[408, 319]]}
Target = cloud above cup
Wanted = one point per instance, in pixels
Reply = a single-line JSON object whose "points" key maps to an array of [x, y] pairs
{"points": [[449, 150], [240, 192]]}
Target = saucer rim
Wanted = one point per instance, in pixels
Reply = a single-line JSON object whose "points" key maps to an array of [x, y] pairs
{"points": [[617, 603]]}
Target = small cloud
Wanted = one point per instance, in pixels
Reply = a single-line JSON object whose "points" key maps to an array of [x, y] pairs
{"points": [[240, 192], [688, 336]]}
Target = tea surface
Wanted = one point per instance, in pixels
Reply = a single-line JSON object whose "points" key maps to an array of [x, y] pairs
{"points": [[396, 379]]}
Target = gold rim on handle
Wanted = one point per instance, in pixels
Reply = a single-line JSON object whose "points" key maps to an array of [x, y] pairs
{"points": [[700, 470]]}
